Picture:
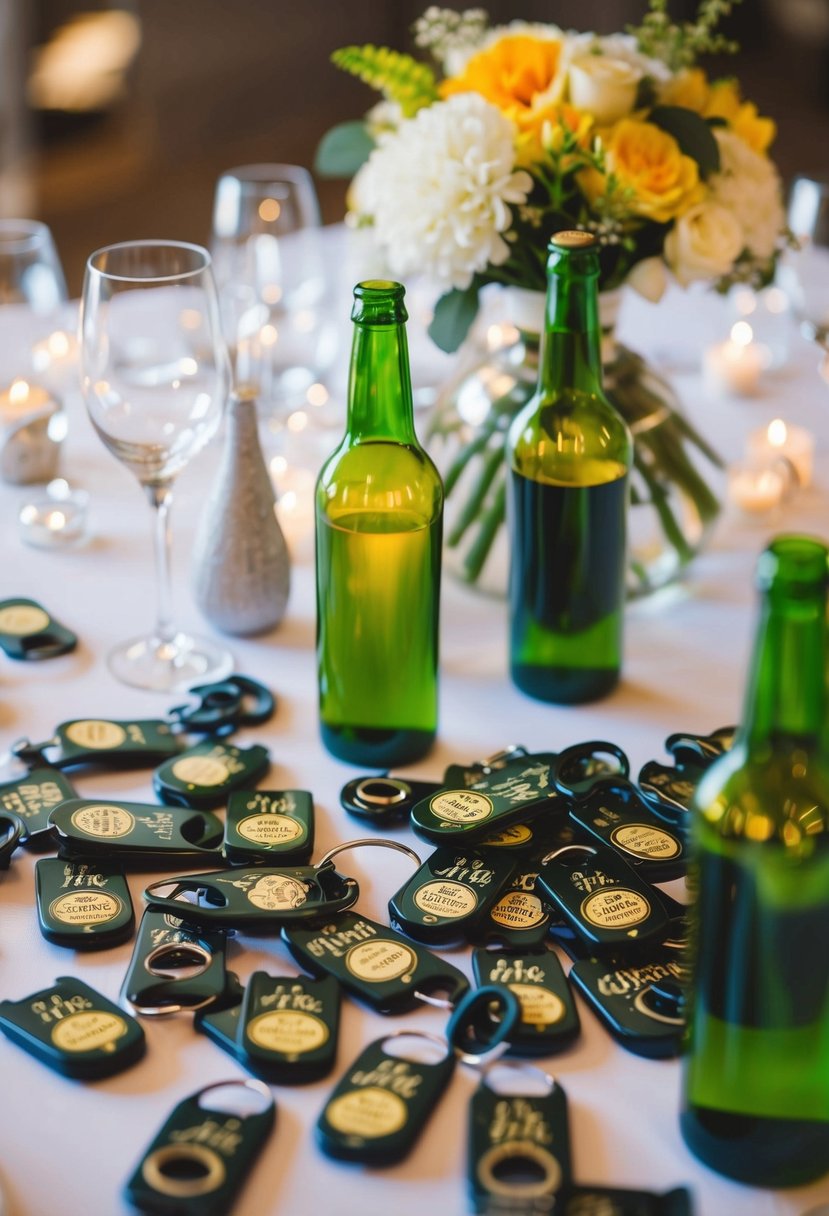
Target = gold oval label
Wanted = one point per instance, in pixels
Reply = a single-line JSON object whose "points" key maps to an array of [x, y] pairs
{"points": [[380, 960], [518, 910], [20, 619], [276, 891], [90, 1030], [289, 1031], [201, 770], [103, 820], [641, 840], [85, 907], [367, 1113], [615, 908], [539, 1006], [444, 898], [93, 732], [507, 838], [461, 806], [270, 829]]}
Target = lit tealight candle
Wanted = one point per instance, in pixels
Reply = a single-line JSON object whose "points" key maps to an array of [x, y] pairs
{"points": [[55, 360], [756, 489], [295, 506], [55, 520], [781, 439], [20, 400], [736, 366]]}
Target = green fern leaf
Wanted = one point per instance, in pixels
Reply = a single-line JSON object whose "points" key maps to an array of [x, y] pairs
{"points": [[399, 77]]}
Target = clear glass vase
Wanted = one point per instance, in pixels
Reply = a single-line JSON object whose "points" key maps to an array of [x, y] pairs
{"points": [[673, 503]]}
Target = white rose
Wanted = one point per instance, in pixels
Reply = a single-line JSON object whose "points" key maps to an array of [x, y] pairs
{"points": [[747, 185], [604, 86], [649, 279], [704, 243]]}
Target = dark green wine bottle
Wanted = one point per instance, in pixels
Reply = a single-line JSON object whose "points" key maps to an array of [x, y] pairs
{"points": [[569, 455], [379, 515], [756, 1078]]}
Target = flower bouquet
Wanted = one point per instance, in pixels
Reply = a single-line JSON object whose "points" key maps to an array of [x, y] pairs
{"points": [[470, 163]]}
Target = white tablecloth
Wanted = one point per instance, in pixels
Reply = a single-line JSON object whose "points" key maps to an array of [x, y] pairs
{"points": [[68, 1147]]}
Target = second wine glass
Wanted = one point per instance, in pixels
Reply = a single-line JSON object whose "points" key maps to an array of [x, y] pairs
{"points": [[155, 377]]}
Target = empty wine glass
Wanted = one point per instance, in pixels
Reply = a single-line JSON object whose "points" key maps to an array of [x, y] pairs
{"points": [[271, 277], [804, 274], [154, 375], [30, 270]]}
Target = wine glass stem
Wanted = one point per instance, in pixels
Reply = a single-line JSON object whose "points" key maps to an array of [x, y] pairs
{"points": [[161, 498]]}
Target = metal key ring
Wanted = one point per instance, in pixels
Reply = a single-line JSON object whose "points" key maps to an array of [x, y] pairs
{"points": [[367, 842], [568, 848]]}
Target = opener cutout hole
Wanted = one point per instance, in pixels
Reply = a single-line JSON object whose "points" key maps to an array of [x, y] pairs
{"points": [[519, 1171], [242, 1099], [415, 1048], [178, 961]]}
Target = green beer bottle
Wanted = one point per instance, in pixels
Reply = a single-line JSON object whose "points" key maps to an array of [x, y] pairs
{"points": [[379, 515], [569, 455], [756, 1083]]}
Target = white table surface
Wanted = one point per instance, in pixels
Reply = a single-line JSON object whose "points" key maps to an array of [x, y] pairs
{"points": [[68, 1147]]}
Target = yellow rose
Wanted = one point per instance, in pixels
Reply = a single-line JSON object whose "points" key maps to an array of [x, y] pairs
{"points": [[604, 86], [688, 88], [524, 78], [757, 132], [647, 162], [722, 99]]}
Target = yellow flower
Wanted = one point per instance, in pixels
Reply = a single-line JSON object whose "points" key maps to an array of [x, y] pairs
{"points": [[647, 162], [757, 132], [688, 88], [523, 77], [720, 99]]}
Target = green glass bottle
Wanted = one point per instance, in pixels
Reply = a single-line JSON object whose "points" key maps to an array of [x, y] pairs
{"points": [[379, 516], [569, 454], [756, 1078]]}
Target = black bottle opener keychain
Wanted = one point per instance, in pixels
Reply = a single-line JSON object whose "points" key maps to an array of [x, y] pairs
{"points": [[549, 1019], [74, 1030], [174, 968], [199, 1160], [81, 905], [33, 797], [206, 774], [384, 800], [641, 1004], [601, 897], [379, 1108], [670, 789], [452, 891], [136, 834], [513, 1126], [28, 631], [104, 742], [269, 825], [518, 919], [224, 706], [518, 792], [288, 1027], [619, 1201]]}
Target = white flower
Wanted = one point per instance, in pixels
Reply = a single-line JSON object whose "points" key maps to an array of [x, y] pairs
{"points": [[649, 279], [383, 117], [704, 243], [438, 190], [747, 185], [604, 86], [624, 47]]}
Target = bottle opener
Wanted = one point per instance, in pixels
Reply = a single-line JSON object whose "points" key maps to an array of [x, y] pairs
{"points": [[615, 1201], [174, 967], [640, 1004], [669, 790], [103, 742], [379, 1108], [74, 1030], [223, 706], [266, 825], [256, 897], [12, 833], [205, 775], [288, 1027], [27, 631], [578, 768], [199, 1160], [373, 963], [601, 897], [518, 919], [135, 834], [82, 905], [33, 797], [549, 1019], [519, 791], [384, 800], [616, 814], [511, 1131], [469, 774], [450, 893]]}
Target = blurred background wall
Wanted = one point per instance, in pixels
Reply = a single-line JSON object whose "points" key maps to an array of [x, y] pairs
{"points": [[116, 118]]}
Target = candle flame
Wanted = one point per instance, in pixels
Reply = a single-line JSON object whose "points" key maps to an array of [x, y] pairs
{"points": [[742, 333], [18, 392], [55, 520], [58, 344], [778, 433]]}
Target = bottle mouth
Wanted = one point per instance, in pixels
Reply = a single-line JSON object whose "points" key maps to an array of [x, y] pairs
{"points": [[379, 302], [376, 289], [796, 563]]}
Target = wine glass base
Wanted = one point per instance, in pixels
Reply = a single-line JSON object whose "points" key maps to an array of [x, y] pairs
{"points": [[169, 666]]}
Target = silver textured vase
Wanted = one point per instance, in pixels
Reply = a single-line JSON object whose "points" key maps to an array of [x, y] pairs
{"points": [[242, 569]]}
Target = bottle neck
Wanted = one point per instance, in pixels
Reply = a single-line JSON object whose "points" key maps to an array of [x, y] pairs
{"points": [[570, 355], [786, 700], [379, 385]]}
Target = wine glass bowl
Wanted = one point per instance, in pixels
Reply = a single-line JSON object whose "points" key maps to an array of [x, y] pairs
{"points": [[154, 375], [30, 270]]}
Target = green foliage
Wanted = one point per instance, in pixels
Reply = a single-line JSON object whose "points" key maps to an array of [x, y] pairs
{"points": [[454, 313], [399, 77], [680, 45], [692, 133], [343, 149]]}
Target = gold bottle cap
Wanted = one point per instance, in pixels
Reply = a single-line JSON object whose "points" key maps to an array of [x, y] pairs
{"points": [[573, 238]]}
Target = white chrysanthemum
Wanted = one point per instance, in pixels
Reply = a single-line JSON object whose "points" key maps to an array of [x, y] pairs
{"points": [[748, 186], [438, 190]]}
